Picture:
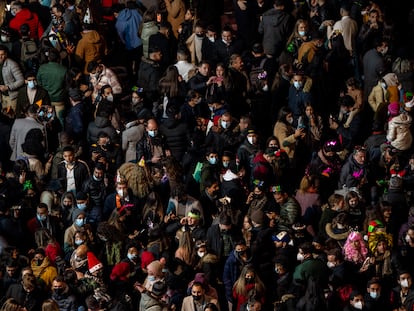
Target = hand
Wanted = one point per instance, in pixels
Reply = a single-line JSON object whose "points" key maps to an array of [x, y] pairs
{"points": [[155, 159], [83, 87], [4, 88], [333, 125], [249, 198], [183, 221], [299, 132], [22, 177], [139, 287], [211, 80], [242, 4]]}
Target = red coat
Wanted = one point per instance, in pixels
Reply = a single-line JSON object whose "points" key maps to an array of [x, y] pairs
{"points": [[24, 16]]}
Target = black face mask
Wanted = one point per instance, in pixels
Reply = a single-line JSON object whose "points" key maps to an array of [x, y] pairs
{"points": [[249, 280], [39, 262], [197, 298], [58, 291], [241, 253]]}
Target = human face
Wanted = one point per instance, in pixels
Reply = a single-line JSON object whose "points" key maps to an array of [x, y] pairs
{"points": [[374, 288], [3, 56], [188, 16], [238, 64], [211, 34], [226, 36], [253, 137], [358, 298], [373, 18], [279, 197], [406, 276], [98, 173], [273, 143], [302, 27], [42, 211], [297, 78], [204, 69], [219, 71], [11, 271], [359, 157], [107, 92], [122, 187], [246, 224], [353, 202], [309, 111], [226, 119], [68, 156], [199, 31], [381, 247], [57, 285], [356, 244], [38, 257], [197, 291]]}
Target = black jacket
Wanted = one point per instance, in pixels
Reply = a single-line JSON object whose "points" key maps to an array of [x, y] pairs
{"points": [[101, 124], [176, 136], [81, 174], [149, 75], [144, 146]]}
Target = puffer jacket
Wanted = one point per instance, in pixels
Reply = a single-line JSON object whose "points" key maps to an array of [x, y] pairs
{"points": [[26, 17], [149, 75], [148, 29], [399, 134], [149, 303], [175, 133], [91, 47], [12, 77]]}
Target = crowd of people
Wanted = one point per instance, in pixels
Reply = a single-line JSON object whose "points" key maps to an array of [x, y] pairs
{"points": [[160, 158]]}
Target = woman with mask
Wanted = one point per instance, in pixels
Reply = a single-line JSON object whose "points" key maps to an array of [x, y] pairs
{"points": [[206, 263], [247, 285], [78, 223]]}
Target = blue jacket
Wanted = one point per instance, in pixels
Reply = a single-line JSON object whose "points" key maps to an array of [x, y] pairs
{"points": [[127, 25]]}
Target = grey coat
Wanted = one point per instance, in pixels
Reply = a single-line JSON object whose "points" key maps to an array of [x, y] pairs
{"points": [[12, 77]]}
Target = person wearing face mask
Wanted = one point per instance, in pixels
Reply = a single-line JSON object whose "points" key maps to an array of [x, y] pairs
{"points": [[207, 263], [211, 168], [62, 294], [299, 95], [356, 302], [299, 35], [100, 76], [75, 122], [208, 47], [96, 187], [126, 272], [78, 223], [108, 101], [227, 45], [248, 150], [375, 299], [44, 220], [42, 268], [287, 135], [31, 94], [310, 267], [403, 292], [198, 299], [152, 146], [248, 281]]}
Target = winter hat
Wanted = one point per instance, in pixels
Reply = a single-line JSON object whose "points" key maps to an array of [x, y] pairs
{"points": [[159, 288], [76, 212], [81, 196], [93, 263], [257, 217], [120, 271], [201, 278], [146, 258], [394, 109], [282, 236]]}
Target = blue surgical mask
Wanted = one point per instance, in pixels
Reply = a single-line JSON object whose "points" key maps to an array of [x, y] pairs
{"points": [[152, 133], [31, 84], [374, 295], [151, 278], [132, 256], [226, 164], [224, 124], [82, 206], [212, 161], [78, 242], [41, 217], [302, 33], [79, 222]]}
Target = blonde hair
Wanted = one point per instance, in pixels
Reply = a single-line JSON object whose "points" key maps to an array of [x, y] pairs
{"points": [[185, 247], [240, 285], [11, 304]]}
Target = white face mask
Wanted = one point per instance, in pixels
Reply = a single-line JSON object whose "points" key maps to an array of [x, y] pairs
{"points": [[297, 84], [384, 50], [404, 283], [110, 98], [358, 305], [250, 140], [330, 265], [212, 39], [200, 254], [289, 120], [340, 226], [120, 193], [374, 295], [300, 257], [407, 238]]}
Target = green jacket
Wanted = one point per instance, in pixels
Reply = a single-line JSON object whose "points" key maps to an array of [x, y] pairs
{"points": [[52, 77]]}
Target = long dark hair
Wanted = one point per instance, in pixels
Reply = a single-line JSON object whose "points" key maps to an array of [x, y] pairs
{"points": [[169, 82], [283, 112]]}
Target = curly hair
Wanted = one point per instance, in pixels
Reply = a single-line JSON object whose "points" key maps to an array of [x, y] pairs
{"points": [[138, 179], [350, 252]]}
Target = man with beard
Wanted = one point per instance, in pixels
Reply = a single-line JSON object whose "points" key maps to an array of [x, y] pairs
{"points": [[62, 296]]}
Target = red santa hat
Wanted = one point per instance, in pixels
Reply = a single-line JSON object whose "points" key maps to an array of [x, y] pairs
{"points": [[93, 263]]}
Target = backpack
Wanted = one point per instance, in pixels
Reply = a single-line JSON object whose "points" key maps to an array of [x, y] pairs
{"points": [[257, 77], [29, 55]]}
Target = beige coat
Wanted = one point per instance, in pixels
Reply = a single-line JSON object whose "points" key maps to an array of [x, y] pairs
{"points": [[286, 137], [176, 12]]}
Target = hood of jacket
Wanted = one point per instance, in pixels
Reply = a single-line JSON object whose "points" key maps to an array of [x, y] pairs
{"points": [[91, 36], [102, 122], [24, 14]]}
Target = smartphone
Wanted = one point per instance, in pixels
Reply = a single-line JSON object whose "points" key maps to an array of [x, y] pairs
{"points": [[158, 17]]}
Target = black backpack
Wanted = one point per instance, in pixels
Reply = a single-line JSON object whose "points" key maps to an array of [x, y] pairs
{"points": [[29, 56], [257, 77]]}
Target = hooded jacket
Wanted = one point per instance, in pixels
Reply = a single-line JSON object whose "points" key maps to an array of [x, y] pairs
{"points": [[276, 26], [399, 134], [24, 16], [127, 25], [91, 47], [45, 271]]}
